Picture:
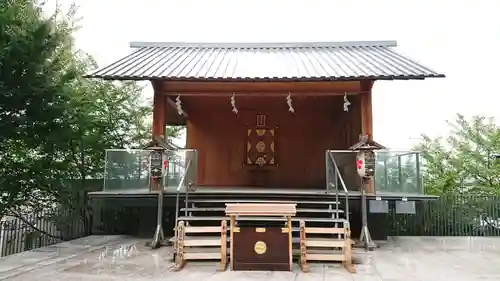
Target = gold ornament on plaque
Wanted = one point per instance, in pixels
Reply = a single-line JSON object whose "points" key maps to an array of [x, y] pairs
{"points": [[260, 161], [260, 247], [260, 146]]}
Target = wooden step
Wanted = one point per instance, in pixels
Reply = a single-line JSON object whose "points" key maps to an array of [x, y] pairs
{"points": [[200, 238], [294, 219], [202, 229], [299, 210], [203, 209], [295, 251], [194, 247], [326, 230], [211, 229], [202, 241], [325, 242], [321, 230], [202, 253], [318, 251], [203, 256], [325, 257], [214, 252], [310, 246], [261, 201]]}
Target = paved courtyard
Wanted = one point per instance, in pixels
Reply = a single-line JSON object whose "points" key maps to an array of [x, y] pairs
{"points": [[122, 258]]}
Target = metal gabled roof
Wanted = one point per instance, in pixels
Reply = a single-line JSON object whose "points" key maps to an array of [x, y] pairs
{"points": [[328, 61]]}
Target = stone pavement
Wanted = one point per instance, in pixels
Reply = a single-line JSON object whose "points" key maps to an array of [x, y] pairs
{"points": [[123, 258]]}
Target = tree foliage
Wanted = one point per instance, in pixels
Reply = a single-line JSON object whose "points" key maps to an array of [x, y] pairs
{"points": [[36, 69], [54, 124], [462, 162], [460, 169]]}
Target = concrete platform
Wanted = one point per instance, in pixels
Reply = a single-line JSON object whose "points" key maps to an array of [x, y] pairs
{"points": [[123, 258]]}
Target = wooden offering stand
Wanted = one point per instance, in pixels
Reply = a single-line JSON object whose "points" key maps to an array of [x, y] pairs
{"points": [[261, 236]]}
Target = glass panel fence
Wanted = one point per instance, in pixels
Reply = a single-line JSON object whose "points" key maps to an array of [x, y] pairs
{"points": [[395, 172], [128, 169], [398, 172], [346, 162]]}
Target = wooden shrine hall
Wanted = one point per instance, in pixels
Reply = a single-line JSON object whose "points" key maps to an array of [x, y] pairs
{"points": [[267, 122], [263, 114]]}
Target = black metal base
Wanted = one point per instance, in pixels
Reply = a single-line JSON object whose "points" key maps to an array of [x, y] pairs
{"points": [[134, 213], [378, 223], [159, 236]]}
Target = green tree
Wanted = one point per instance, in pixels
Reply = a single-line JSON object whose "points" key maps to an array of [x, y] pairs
{"points": [[461, 162], [459, 169], [36, 68], [55, 124]]}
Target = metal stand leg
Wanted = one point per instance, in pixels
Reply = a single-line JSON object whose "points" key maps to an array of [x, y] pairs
{"points": [[365, 240], [159, 235]]}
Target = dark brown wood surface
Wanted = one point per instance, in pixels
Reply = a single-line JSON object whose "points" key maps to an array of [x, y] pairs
{"points": [[220, 136], [276, 256]]}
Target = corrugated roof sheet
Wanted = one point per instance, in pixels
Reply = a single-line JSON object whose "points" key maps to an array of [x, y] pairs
{"points": [[265, 61]]}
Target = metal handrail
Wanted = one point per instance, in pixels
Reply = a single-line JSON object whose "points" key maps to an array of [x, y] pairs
{"points": [[338, 172], [181, 183], [184, 176], [339, 177]]}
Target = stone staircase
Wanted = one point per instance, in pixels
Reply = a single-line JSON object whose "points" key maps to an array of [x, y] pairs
{"points": [[310, 210]]}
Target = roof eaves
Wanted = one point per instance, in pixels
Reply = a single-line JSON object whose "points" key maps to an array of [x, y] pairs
{"points": [[267, 79], [386, 43]]}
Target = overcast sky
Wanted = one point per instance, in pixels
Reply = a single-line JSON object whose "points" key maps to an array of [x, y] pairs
{"points": [[458, 38]]}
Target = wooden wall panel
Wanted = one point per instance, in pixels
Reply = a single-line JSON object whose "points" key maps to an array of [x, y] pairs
{"points": [[302, 138]]}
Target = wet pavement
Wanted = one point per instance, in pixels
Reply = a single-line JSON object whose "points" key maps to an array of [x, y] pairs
{"points": [[123, 258]]}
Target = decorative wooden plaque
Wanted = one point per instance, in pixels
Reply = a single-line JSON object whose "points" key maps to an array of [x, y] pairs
{"points": [[265, 250], [261, 147]]}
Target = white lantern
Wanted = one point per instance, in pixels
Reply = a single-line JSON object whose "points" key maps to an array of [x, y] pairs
{"points": [[365, 163]]}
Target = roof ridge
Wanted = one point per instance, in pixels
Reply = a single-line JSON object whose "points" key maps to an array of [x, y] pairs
{"points": [[264, 45]]}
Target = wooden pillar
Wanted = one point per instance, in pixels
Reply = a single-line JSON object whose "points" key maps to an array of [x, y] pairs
{"points": [[159, 113], [367, 118], [366, 108]]}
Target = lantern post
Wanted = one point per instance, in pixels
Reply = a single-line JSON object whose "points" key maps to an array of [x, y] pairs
{"points": [[158, 167], [365, 165]]}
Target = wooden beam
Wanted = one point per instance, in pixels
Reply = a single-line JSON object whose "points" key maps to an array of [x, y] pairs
{"points": [[214, 88], [366, 108], [264, 94]]}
